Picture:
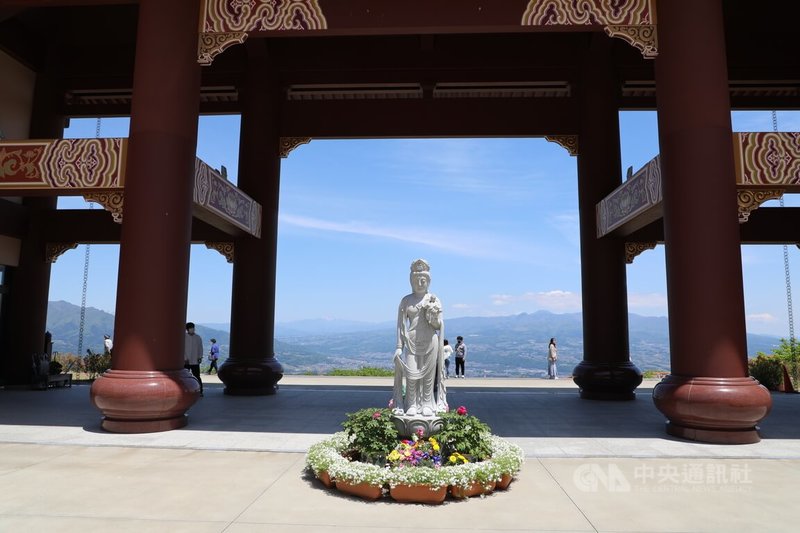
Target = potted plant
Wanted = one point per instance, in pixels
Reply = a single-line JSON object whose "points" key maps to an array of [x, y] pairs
{"points": [[416, 470]]}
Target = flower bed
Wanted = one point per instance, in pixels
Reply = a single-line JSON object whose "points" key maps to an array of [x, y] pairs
{"points": [[330, 457]]}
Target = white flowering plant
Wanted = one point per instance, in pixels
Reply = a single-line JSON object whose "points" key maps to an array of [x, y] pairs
{"points": [[328, 456]]}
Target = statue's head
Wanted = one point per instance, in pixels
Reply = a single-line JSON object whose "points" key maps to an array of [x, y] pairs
{"points": [[420, 276]]}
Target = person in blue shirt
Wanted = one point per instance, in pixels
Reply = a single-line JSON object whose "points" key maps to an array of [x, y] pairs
{"points": [[213, 356]]}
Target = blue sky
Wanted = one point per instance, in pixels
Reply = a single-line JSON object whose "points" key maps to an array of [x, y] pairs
{"points": [[496, 218]]}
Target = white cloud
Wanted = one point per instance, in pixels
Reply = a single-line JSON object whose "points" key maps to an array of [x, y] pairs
{"points": [[557, 301], [760, 317], [652, 300], [481, 244]]}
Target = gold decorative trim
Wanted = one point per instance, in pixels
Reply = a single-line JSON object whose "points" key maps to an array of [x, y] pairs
{"points": [[770, 159], [644, 37], [750, 200], [569, 142], [588, 12], [210, 44], [62, 164], [53, 250], [225, 248], [287, 144], [111, 202], [221, 198], [261, 15], [632, 249]]}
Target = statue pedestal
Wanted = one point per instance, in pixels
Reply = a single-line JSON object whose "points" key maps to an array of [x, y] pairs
{"points": [[408, 425]]}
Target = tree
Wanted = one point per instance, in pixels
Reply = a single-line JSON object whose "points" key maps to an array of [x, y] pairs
{"points": [[788, 351]]}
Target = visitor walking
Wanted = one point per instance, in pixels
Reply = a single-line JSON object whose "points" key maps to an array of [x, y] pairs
{"points": [[552, 357], [447, 351], [213, 356], [193, 353], [108, 345], [461, 356]]}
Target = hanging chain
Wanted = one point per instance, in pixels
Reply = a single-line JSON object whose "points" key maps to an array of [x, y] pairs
{"points": [[86, 269], [786, 271]]}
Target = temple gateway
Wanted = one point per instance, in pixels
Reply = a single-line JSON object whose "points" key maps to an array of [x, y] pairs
{"points": [[298, 70]]}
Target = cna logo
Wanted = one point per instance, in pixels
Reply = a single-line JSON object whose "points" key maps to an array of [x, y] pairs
{"points": [[592, 477]]}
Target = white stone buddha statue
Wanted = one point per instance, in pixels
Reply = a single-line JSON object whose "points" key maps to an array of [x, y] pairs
{"points": [[418, 358]]}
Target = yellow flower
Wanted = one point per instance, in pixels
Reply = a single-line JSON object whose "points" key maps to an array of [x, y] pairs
{"points": [[453, 458], [394, 456]]}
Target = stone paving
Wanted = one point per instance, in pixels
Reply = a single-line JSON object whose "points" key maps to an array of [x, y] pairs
{"points": [[239, 465]]}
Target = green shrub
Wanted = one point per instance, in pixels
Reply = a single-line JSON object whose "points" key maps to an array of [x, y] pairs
{"points": [[363, 371], [70, 362], [96, 363], [373, 434], [768, 370], [464, 434], [55, 368], [788, 351]]}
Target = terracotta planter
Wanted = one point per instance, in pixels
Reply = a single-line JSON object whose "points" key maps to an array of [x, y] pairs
{"points": [[504, 482], [418, 493], [476, 489], [323, 476], [362, 490]]}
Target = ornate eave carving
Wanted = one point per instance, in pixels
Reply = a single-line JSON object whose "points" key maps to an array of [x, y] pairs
{"points": [[750, 200], [224, 23], [74, 164], [632, 249], [634, 21], [287, 144], [642, 37], [225, 248], [569, 142], [53, 250], [211, 44], [111, 202]]}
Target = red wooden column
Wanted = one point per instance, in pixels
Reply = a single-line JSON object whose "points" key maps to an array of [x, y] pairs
{"points": [[147, 388], [606, 372], [707, 396], [30, 281], [252, 368]]}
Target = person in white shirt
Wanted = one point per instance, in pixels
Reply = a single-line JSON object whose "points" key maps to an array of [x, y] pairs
{"points": [[193, 353], [447, 351], [108, 344], [552, 357]]}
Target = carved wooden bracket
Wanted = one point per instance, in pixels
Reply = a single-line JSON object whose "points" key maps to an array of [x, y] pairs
{"points": [[212, 44], [642, 37], [570, 142], [53, 250], [632, 249], [225, 248], [290, 143], [111, 202], [751, 199]]}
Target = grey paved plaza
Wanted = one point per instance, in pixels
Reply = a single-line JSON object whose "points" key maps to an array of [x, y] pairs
{"points": [[239, 465]]}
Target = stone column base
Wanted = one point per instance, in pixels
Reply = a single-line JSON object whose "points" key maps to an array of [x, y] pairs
{"points": [[713, 410], [251, 377], [142, 401], [607, 381]]}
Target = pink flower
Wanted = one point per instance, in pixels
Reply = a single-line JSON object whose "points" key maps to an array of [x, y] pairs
{"points": [[376, 415], [461, 410], [420, 432], [391, 403]]}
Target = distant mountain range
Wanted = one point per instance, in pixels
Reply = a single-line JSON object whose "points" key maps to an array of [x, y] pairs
{"points": [[498, 346]]}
